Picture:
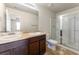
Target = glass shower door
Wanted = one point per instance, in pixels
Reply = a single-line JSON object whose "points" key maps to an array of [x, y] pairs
{"points": [[76, 32], [68, 31], [65, 30]]}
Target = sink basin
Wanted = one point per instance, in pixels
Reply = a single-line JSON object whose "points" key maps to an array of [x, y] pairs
{"points": [[35, 33], [8, 35], [5, 34]]}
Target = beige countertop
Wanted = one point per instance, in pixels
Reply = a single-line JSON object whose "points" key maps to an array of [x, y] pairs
{"points": [[18, 36]]}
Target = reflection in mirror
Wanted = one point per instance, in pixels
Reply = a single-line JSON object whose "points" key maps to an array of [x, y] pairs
{"points": [[12, 22]]}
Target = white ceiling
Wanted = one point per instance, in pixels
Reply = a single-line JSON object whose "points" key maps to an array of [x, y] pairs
{"points": [[21, 7], [58, 7]]}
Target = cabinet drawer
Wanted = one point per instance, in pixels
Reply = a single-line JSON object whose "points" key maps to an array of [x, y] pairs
{"points": [[17, 43], [42, 37], [34, 39]]}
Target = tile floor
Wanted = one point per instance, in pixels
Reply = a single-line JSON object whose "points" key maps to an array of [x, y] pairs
{"points": [[59, 51]]}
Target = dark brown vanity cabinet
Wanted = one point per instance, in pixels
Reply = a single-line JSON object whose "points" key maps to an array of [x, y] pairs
{"points": [[14, 48], [34, 48], [31, 46], [37, 45], [42, 46], [20, 50], [5, 52]]}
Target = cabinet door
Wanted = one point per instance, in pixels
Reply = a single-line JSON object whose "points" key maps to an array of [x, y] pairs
{"points": [[34, 48], [21, 50], [42, 46]]}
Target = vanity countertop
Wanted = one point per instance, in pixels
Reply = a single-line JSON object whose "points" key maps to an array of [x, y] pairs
{"points": [[18, 36]]}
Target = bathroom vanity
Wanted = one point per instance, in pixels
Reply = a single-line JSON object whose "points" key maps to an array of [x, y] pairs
{"points": [[23, 44]]}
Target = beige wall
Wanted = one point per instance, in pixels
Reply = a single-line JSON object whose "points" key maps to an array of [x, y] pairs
{"points": [[2, 17], [47, 22], [29, 21]]}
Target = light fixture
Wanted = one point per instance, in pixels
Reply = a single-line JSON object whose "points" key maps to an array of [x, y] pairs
{"points": [[30, 5]]}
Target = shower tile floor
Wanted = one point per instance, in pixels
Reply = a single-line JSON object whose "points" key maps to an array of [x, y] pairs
{"points": [[59, 51]]}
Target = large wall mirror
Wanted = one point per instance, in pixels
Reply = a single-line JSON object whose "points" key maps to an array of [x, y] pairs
{"points": [[12, 22]]}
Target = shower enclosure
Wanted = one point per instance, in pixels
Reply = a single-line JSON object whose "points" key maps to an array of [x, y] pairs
{"points": [[70, 30]]}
